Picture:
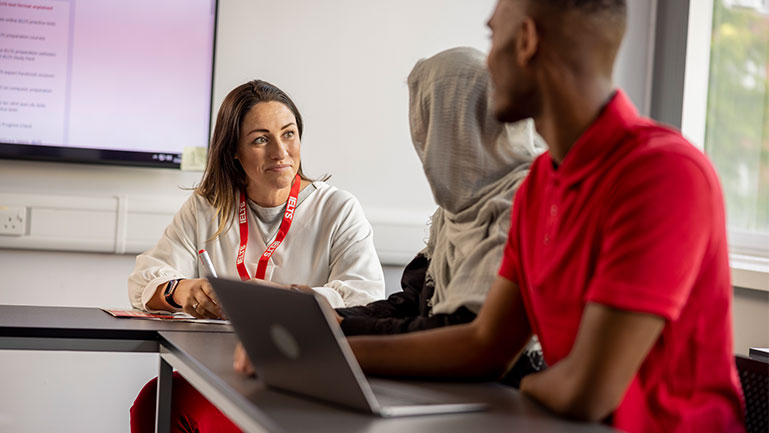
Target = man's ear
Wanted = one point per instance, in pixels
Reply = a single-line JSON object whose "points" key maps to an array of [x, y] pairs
{"points": [[527, 41]]}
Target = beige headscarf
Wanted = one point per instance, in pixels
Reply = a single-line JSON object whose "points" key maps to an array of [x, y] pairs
{"points": [[474, 164]]}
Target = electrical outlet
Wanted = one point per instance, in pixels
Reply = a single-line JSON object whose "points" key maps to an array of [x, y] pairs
{"points": [[13, 221]]}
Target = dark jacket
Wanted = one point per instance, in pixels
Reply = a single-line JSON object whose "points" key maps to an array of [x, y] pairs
{"points": [[405, 311]]}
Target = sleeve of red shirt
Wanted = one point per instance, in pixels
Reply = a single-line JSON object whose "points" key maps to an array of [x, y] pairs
{"points": [[657, 227]]}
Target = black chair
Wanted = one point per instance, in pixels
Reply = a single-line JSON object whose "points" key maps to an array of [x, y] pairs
{"points": [[754, 376]]}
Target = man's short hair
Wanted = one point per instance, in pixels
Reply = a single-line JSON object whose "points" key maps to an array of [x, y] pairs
{"points": [[587, 6]]}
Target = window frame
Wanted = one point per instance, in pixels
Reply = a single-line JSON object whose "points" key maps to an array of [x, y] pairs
{"points": [[679, 96]]}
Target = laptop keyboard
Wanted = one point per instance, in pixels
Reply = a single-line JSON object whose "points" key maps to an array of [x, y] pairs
{"points": [[388, 395]]}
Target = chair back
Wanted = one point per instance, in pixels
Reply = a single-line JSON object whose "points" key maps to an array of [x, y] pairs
{"points": [[754, 376]]}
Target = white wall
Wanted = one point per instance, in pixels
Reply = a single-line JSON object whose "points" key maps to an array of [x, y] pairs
{"points": [[345, 63], [632, 71], [750, 318]]}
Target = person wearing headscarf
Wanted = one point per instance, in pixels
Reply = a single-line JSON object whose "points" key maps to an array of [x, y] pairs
{"points": [[474, 164]]}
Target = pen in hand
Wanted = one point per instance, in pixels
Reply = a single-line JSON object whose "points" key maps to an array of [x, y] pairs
{"points": [[209, 266], [203, 254]]}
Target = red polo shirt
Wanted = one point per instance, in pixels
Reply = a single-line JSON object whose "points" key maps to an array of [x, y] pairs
{"points": [[634, 219]]}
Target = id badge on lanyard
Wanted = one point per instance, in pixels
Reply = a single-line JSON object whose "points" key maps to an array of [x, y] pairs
{"points": [[288, 217]]}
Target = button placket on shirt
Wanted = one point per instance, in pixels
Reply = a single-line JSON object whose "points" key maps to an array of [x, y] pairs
{"points": [[552, 213]]}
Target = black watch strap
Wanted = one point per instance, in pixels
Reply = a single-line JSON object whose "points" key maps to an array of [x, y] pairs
{"points": [[168, 293]]}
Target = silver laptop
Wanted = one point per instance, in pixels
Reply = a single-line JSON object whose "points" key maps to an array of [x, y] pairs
{"points": [[296, 345]]}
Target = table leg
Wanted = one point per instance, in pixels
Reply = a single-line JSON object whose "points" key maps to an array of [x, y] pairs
{"points": [[163, 407]]}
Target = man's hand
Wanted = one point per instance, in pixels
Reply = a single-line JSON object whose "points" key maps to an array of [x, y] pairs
{"points": [[240, 361]]}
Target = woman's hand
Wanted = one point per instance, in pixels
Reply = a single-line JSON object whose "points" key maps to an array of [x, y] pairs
{"points": [[307, 289], [301, 288], [240, 361], [197, 299]]}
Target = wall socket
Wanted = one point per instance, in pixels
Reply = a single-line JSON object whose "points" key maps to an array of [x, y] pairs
{"points": [[13, 221]]}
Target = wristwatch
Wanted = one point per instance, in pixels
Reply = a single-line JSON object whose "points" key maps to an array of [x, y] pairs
{"points": [[168, 293]]}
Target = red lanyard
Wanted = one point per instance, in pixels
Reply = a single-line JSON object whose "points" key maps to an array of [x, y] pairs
{"points": [[288, 217]]}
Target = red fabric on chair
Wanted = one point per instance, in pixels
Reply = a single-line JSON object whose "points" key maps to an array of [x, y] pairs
{"points": [[190, 411]]}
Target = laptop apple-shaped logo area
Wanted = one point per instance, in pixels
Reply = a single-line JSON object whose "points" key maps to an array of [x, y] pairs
{"points": [[284, 341]]}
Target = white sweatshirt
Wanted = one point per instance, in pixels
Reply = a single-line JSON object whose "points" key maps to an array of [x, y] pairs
{"points": [[330, 247]]}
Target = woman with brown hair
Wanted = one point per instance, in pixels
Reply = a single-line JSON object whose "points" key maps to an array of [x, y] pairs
{"points": [[258, 216]]}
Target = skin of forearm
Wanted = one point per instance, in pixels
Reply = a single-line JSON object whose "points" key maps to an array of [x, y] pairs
{"points": [[482, 349], [591, 381], [157, 302], [451, 352]]}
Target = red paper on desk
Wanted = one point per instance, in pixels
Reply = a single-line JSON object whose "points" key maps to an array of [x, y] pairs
{"points": [[177, 317]]}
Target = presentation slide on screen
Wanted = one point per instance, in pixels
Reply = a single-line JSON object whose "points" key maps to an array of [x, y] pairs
{"points": [[34, 50], [132, 76]]}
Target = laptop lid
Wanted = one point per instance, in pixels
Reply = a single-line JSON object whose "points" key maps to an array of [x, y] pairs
{"points": [[294, 344]]}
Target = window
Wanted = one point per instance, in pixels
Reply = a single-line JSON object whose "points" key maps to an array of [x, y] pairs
{"points": [[724, 109], [737, 119]]}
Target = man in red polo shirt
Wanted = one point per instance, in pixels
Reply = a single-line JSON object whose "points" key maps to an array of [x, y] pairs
{"points": [[617, 253]]}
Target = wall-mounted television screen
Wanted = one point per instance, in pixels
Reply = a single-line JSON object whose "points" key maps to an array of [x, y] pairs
{"points": [[113, 82]]}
